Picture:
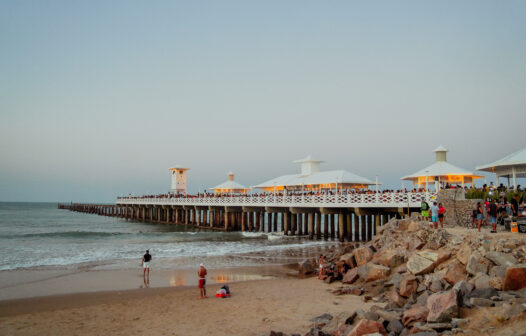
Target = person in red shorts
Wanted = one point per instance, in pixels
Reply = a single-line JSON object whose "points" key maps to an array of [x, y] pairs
{"points": [[202, 280]]}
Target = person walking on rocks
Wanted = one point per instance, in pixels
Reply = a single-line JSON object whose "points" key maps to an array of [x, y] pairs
{"points": [[425, 210], [434, 215], [493, 208], [441, 211], [480, 212]]}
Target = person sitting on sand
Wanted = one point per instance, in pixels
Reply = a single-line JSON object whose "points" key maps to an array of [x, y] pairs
{"points": [[146, 264], [202, 280]]}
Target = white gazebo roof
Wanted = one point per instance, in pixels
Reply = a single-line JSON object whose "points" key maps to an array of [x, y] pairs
{"points": [[515, 159], [230, 185], [323, 177], [441, 168]]}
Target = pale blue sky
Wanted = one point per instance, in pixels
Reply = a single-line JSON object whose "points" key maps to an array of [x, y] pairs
{"points": [[100, 98]]}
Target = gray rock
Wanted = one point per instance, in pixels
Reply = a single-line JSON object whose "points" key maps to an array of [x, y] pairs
{"points": [[498, 271], [324, 318], [501, 259], [506, 296], [481, 280], [371, 316], [395, 326], [438, 326], [508, 311], [521, 293], [426, 333], [422, 299], [474, 265], [436, 286], [484, 293], [481, 302], [458, 322]]}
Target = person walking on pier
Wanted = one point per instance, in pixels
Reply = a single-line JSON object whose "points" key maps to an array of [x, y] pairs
{"points": [[146, 259], [202, 280]]}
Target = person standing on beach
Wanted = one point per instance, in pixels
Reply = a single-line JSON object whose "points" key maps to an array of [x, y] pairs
{"points": [[146, 259], [425, 210], [202, 280], [321, 261]]}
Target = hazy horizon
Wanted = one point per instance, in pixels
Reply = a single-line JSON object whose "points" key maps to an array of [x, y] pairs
{"points": [[98, 99]]}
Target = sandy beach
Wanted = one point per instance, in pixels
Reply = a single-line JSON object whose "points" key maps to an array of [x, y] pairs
{"points": [[255, 308]]}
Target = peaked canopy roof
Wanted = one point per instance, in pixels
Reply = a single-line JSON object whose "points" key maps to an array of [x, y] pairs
{"points": [[230, 185], [515, 159], [324, 177], [442, 168]]}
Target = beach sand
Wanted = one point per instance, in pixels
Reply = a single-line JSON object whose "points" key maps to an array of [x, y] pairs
{"points": [[255, 308]]}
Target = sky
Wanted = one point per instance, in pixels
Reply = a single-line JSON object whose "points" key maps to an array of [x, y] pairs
{"points": [[99, 98]]}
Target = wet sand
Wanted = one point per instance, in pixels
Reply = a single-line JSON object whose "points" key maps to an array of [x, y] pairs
{"points": [[45, 282], [255, 308]]}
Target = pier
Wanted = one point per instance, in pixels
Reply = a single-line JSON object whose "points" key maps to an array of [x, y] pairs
{"points": [[346, 217]]}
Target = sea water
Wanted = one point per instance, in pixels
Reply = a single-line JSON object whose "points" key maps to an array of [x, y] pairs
{"points": [[39, 235]]}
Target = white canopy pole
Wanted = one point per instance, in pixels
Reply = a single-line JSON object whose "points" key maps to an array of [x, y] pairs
{"points": [[514, 178]]}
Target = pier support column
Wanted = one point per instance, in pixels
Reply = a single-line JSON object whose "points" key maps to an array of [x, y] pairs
{"points": [[300, 224], [310, 224], [293, 224], [275, 215], [325, 226], [269, 221], [317, 224], [332, 223], [243, 221], [370, 227], [226, 220], [348, 226], [341, 227], [363, 228], [256, 214], [286, 217]]}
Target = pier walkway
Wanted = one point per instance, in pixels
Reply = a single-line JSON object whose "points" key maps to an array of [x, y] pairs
{"points": [[351, 217]]}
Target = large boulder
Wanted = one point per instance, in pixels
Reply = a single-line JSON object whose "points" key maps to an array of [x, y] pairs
{"points": [[501, 259], [414, 314], [483, 293], [476, 264], [515, 278], [363, 255], [389, 258], [365, 327], [395, 298], [481, 280], [408, 285], [442, 306], [418, 264], [351, 276], [455, 272], [348, 258], [372, 272], [463, 254]]}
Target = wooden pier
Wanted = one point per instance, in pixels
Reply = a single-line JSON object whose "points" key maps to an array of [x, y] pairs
{"points": [[328, 217]]}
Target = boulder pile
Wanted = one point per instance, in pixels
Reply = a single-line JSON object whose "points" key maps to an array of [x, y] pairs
{"points": [[419, 279]]}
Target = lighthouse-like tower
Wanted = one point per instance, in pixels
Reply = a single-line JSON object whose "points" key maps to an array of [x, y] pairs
{"points": [[179, 179]]}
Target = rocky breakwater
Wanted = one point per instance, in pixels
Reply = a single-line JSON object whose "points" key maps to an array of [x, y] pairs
{"points": [[425, 282]]}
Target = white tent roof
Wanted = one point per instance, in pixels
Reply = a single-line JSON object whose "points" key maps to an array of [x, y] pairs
{"points": [[515, 159], [440, 168], [230, 185], [324, 177]]}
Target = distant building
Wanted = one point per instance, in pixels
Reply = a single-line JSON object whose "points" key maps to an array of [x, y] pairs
{"points": [[311, 179], [179, 179], [442, 172], [230, 186]]}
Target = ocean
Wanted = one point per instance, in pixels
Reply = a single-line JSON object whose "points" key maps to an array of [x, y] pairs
{"points": [[40, 236]]}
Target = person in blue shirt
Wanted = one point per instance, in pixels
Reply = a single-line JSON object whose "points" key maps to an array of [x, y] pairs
{"points": [[434, 214]]}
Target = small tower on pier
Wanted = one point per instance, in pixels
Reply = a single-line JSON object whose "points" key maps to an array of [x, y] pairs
{"points": [[179, 179]]}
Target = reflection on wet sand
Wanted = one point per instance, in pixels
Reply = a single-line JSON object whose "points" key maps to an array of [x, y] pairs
{"points": [[189, 278]]}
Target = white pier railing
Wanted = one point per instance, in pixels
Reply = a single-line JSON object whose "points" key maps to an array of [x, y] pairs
{"points": [[379, 200]]}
